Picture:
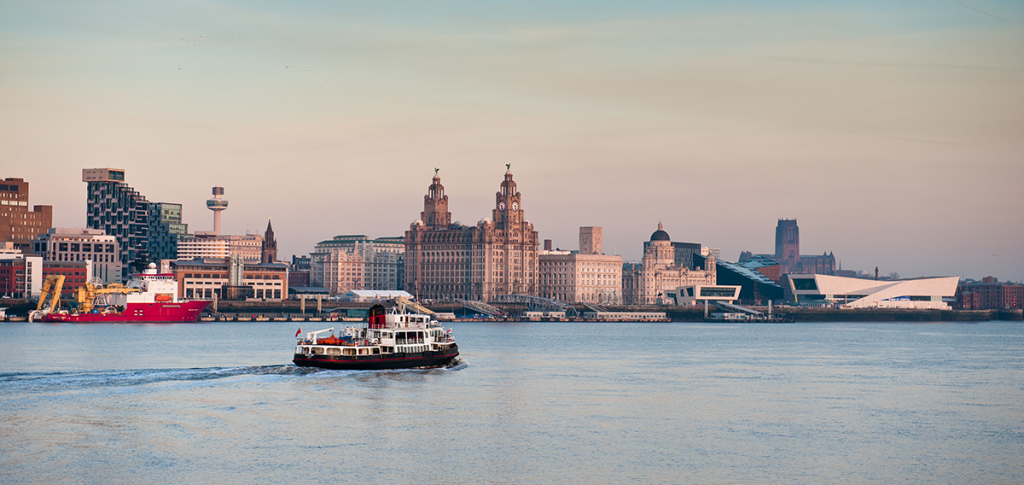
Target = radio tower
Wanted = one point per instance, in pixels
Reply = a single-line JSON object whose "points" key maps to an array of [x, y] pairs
{"points": [[216, 204]]}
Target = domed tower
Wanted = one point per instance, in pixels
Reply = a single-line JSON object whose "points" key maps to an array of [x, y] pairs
{"points": [[435, 205], [217, 205], [659, 250]]}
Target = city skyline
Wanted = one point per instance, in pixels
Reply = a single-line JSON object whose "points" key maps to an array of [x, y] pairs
{"points": [[892, 133]]}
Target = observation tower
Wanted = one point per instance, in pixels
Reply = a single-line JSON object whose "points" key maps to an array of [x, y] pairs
{"points": [[217, 205]]}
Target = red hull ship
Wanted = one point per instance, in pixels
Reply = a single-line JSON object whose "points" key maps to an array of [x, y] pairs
{"points": [[148, 298]]}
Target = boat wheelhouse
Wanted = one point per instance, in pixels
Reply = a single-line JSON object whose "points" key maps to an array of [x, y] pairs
{"points": [[390, 339]]}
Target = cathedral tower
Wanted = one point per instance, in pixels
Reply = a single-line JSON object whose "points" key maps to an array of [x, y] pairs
{"points": [[269, 245]]}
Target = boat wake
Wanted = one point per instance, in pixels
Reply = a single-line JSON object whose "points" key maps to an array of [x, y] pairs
{"points": [[135, 377], [69, 381]]}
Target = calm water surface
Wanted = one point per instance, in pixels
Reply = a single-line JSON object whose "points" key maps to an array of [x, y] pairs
{"points": [[531, 403]]}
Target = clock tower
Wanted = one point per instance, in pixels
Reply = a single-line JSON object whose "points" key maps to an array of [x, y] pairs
{"points": [[507, 211]]}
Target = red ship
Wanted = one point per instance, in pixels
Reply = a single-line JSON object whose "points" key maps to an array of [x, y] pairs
{"points": [[148, 298]]}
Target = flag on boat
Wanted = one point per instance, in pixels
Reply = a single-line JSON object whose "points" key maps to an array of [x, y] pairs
{"points": [[449, 330], [299, 331]]}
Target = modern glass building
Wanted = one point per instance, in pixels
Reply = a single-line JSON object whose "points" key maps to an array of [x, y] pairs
{"points": [[165, 230]]}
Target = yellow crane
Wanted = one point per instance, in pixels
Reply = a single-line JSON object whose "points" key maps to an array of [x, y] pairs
{"points": [[405, 303], [87, 294], [51, 289]]}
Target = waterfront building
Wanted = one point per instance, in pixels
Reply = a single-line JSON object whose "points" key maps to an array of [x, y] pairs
{"points": [[755, 287], [18, 224], [208, 278], [301, 263], [299, 271], [205, 244], [989, 295], [658, 271], [373, 296], [827, 290], [356, 262], [61, 245], [204, 248], [698, 294], [497, 256], [764, 265], [23, 277], [584, 276], [8, 251]]}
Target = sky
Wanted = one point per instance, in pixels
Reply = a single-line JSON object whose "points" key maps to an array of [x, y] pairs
{"points": [[892, 131]]}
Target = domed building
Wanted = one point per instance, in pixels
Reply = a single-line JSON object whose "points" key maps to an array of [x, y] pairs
{"points": [[665, 266]]}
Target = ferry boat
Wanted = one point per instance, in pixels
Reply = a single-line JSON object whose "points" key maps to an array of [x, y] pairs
{"points": [[149, 297], [394, 339]]}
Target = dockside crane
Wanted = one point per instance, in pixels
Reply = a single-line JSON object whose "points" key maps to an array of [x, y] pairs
{"points": [[52, 287]]}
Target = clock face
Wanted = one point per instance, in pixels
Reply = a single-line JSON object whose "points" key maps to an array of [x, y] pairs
{"points": [[501, 206], [515, 206]]}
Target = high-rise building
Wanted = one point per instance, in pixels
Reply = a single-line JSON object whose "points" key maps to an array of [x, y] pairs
{"points": [[498, 256], [120, 211], [584, 276], [146, 231], [19, 225], [165, 230], [269, 248]]}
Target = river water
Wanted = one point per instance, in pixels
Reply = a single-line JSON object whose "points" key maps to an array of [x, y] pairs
{"points": [[530, 403]]}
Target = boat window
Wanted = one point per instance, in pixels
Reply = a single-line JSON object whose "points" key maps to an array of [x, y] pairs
{"points": [[334, 351], [376, 350], [349, 351], [318, 350]]}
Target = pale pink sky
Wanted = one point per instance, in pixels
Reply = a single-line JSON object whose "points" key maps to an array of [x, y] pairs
{"points": [[894, 134]]}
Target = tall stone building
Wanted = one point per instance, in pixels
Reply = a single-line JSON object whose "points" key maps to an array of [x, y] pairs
{"points": [[358, 263], [498, 256], [787, 245], [584, 276], [659, 271], [269, 245]]}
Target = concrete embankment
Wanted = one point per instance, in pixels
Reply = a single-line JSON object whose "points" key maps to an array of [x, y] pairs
{"points": [[896, 315], [291, 311]]}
